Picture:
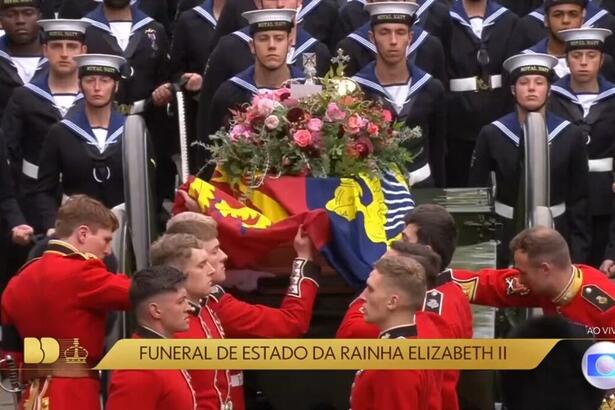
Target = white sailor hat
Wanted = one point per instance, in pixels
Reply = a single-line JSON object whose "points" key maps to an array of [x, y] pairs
{"points": [[64, 29], [584, 38], [270, 19], [392, 12], [100, 64], [528, 64]]}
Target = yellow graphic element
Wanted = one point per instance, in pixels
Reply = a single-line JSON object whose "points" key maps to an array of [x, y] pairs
{"points": [[205, 193], [75, 353], [327, 354], [469, 287], [45, 350], [347, 204]]}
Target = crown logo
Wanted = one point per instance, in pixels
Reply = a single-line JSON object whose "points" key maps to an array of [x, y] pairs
{"points": [[75, 354]]}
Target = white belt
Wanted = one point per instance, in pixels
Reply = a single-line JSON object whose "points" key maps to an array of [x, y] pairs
{"points": [[237, 379], [474, 83], [601, 165], [418, 175], [507, 212], [29, 169]]}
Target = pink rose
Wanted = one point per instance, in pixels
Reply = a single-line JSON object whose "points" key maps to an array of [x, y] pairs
{"points": [[314, 125], [364, 147], [354, 123], [372, 129], [303, 138], [239, 131], [290, 102], [387, 116], [334, 113], [272, 122], [263, 106]]}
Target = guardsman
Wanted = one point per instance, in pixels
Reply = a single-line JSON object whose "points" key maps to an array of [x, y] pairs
{"points": [[270, 31], [425, 51], [36, 106], [244, 320], [83, 293], [318, 17], [222, 65], [161, 303], [587, 100], [21, 53], [500, 148], [412, 95], [564, 15], [394, 296], [82, 154], [474, 50], [536, 25], [544, 277]]}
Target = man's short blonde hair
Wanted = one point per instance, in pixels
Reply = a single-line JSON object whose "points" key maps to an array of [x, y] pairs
{"points": [[406, 276], [174, 250], [202, 226]]}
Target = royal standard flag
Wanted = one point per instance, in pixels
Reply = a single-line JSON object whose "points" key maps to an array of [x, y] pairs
{"points": [[350, 220]]}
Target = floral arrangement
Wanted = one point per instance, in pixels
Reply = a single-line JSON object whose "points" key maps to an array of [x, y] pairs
{"points": [[332, 133]]}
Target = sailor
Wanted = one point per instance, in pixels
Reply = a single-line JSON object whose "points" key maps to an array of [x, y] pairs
{"points": [[425, 51], [560, 15], [36, 106], [414, 96], [76, 9], [124, 30], [223, 65], [587, 100], [21, 53], [500, 148], [475, 51], [564, 15], [82, 154], [270, 30], [431, 16], [319, 18]]}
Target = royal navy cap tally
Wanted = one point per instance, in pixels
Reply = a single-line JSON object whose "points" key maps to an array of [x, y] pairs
{"points": [[550, 3], [584, 38], [270, 19], [529, 64], [5, 4], [64, 29], [392, 12], [100, 64]]}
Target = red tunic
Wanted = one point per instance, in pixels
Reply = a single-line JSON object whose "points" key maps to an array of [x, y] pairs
{"points": [[588, 299], [150, 389], [244, 320], [65, 295], [397, 389], [212, 387]]}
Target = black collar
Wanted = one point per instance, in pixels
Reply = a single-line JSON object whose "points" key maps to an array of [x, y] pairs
{"points": [[195, 307], [60, 247], [444, 277], [147, 333], [397, 332]]}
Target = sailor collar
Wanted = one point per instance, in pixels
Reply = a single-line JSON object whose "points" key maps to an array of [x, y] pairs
{"points": [[562, 87], [510, 127], [40, 87], [97, 19], [492, 13], [77, 122], [424, 5], [4, 54], [399, 332], [593, 14], [206, 10], [540, 47], [367, 78], [307, 8], [361, 36], [245, 79]]}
